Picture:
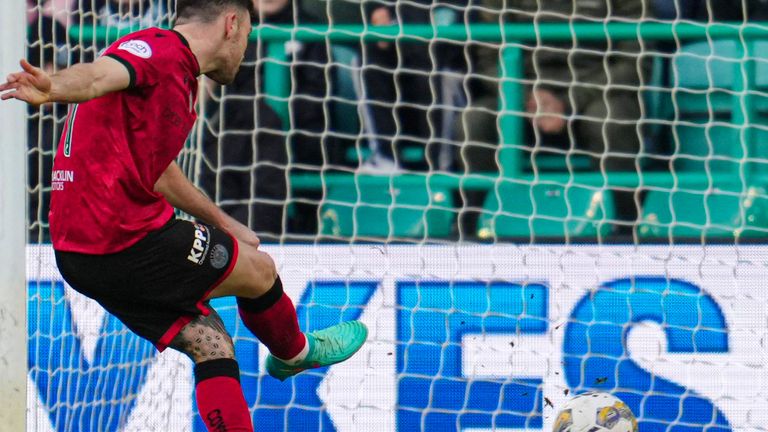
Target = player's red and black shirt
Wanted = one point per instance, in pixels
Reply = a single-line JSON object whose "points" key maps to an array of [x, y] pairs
{"points": [[115, 147]]}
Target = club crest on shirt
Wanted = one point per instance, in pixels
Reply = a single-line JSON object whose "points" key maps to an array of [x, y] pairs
{"points": [[138, 48]]}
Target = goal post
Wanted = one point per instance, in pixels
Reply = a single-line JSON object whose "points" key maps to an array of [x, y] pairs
{"points": [[13, 144]]}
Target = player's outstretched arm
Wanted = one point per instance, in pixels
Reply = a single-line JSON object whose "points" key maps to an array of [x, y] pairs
{"points": [[78, 83], [183, 195]]}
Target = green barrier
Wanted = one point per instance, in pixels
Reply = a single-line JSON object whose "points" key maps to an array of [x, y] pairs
{"points": [[624, 180], [520, 32]]}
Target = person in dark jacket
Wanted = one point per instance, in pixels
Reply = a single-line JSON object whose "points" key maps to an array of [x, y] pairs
{"points": [[585, 90], [580, 96], [125, 14], [246, 173], [712, 10], [412, 90]]}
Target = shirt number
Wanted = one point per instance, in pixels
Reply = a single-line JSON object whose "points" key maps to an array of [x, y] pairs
{"points": [[70, 129]]}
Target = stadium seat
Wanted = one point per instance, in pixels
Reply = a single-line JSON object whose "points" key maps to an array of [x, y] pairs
{"points": [[703, 77], [556, 162], [721, 214], [523, 210], [761, 63], [708, 64], [403, 209], [760, 102]]}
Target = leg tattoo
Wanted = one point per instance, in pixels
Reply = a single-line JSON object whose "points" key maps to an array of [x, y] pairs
{"points": [[205, 338]]}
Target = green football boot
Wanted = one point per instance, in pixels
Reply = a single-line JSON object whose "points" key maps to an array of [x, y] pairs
{"points": [[326, 347]]}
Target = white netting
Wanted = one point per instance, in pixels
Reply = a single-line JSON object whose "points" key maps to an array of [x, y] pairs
{"points": [[485, 121]]}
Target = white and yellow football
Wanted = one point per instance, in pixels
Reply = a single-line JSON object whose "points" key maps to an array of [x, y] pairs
{"points": [[595, 412]]}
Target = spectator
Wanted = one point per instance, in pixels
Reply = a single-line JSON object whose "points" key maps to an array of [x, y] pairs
{"points": [[125, 14], [577, 86], [671, 9], [58, 10], [403, 81], [245, 146], [584, 95], [711, 10]]}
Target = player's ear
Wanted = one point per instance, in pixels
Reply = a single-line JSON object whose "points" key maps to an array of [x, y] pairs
{"points": [[231, 25]]}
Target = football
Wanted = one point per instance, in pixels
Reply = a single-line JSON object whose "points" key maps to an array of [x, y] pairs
{"points": [[595, 412]]}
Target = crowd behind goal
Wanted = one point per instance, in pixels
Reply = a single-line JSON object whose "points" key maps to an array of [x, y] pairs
{"points": [[396, 107]]}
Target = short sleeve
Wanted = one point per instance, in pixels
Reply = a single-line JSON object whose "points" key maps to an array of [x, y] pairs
{"points": [[143, 57]]}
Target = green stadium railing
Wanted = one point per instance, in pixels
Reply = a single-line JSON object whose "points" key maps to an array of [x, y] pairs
{"points": [[520, 32]]}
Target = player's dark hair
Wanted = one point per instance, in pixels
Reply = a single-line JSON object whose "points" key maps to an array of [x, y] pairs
{"points": [[208, 10]]}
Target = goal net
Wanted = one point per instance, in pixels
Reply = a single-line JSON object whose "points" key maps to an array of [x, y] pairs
{"points": [[523, 202]]}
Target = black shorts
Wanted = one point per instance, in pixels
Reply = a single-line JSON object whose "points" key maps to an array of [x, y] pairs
{"points": [[158, 285]]}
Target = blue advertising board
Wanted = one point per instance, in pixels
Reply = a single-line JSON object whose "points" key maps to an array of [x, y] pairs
{"points": [[470, 339]]}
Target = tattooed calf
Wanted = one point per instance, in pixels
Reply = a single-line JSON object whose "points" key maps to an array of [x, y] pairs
{"points": [[204, 338]]}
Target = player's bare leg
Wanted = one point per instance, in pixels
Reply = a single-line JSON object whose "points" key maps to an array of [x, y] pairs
{"points": [[218, 392], [271, 316]]}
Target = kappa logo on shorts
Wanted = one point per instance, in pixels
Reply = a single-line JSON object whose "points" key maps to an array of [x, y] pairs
{"points": [[219, 256], [199, 245]]}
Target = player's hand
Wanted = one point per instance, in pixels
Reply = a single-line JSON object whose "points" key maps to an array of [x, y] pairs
{"points": [[32, 85], [242, 233], [248, 237]]}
